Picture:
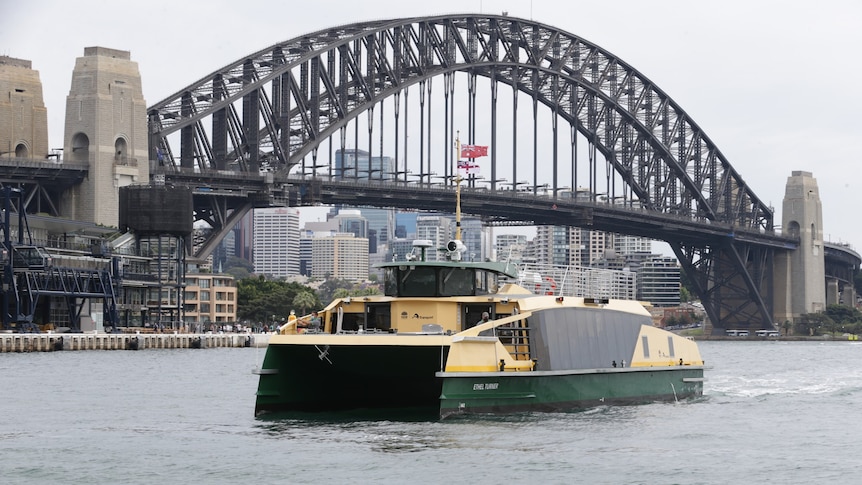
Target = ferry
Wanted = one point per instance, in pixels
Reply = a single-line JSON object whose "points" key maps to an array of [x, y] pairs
{"points": [[424, 344], [463, 337]]}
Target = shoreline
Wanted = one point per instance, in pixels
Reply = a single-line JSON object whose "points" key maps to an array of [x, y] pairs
{"points": [[55, 342]]}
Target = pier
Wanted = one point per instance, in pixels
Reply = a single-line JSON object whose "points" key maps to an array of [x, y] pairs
{"points": [[53, 342]]}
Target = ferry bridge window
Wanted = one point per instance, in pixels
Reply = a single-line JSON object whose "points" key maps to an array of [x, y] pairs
{"points": [[485, 283], [390, 282], [417, 282], [456, 281]]}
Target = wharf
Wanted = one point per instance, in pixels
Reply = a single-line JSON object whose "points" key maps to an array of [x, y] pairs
{"points": [[52, 342]]}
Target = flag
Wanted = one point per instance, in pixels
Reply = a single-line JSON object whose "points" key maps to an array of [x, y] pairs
{"points": [[473, 151], [467, 166]]}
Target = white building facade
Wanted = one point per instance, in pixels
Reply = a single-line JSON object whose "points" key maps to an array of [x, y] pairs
{"points": [[276, 242]]}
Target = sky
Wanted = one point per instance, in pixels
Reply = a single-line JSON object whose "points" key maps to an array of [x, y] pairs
{"points": [[774, 84]]}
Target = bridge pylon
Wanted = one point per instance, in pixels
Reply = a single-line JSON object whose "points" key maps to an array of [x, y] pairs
{"points": [[106, 126], [800, 274]]}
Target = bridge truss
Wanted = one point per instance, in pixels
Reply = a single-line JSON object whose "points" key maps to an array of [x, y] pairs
{"points": [[604, 131]]}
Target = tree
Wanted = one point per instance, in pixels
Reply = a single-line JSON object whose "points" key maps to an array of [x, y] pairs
{"points": [[684, 294], [814, 323], [305, 301], [259, 298]]}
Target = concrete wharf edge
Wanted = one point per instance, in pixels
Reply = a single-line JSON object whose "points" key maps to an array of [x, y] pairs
{"points": [[50, 342]]}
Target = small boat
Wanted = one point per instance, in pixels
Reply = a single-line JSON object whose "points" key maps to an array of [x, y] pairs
{"points": [[422, 345]]}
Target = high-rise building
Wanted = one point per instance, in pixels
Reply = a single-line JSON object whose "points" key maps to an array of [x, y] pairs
{"points": [[352, 163], [551, 245], [276, 241], [438, 230], [383, 222], [307, 235], [626, 245], [399, 249], [352, 221], [658, 282], [405, 224], [342, 256], [510, 247], [474, 236]]}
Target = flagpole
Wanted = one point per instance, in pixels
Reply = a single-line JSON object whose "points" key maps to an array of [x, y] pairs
{"points": [[457, 187]]}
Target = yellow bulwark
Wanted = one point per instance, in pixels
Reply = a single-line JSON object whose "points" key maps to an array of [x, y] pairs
{"points": [[658, 351], [472, 352]]}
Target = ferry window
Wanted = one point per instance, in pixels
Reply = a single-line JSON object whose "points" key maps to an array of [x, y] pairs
{"points": [[456, 281], [485, 283], [390, 282], [418, 282]]}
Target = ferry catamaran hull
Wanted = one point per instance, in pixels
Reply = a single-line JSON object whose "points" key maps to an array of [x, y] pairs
{"points": [[550, 391], [331, 373]]}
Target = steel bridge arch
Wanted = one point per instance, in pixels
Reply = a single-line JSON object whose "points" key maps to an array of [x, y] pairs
{"points": [[666, 161]]}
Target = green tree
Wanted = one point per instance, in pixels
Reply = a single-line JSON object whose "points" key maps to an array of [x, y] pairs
{"points": [[326, 290], [843, 314], [305, 301], [684, 294], [260, 299], [814, 324]]}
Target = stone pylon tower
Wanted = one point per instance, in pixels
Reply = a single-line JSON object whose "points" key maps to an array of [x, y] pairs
{"points": [[106, 127], [800, 275], [23, 117]]}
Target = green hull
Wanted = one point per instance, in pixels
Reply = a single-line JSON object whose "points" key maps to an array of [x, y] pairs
{"points": [[508, 392], [309, 378]]}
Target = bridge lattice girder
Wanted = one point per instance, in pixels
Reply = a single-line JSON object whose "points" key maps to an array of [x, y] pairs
{"points": [[276, 106]]}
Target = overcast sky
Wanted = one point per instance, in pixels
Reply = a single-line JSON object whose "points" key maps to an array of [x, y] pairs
{"points": [[775, 84]]}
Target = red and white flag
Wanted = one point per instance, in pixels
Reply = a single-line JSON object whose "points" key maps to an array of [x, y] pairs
{"points": [[473, 151], [467, 166]]}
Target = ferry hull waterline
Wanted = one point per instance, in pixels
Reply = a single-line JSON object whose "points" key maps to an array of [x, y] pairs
{"points": [[503, 393]]}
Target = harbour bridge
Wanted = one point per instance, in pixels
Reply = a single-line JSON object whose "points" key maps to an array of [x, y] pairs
{"points": [[575, 136]]}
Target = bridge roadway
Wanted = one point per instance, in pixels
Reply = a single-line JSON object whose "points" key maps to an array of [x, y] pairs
{"points": [[234, 190], [500, 207]]}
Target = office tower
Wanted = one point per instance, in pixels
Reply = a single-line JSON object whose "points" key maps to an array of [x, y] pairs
{"points": [[276, 242]]}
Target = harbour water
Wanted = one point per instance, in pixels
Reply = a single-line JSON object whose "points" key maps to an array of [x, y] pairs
{"points": [[772, 411]]}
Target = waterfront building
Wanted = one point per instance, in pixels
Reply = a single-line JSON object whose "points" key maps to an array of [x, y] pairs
{"points": [[276, 242], [209, 299]]}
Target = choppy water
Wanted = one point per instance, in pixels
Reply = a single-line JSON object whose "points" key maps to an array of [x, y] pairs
{"points": [[772, 412]]}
